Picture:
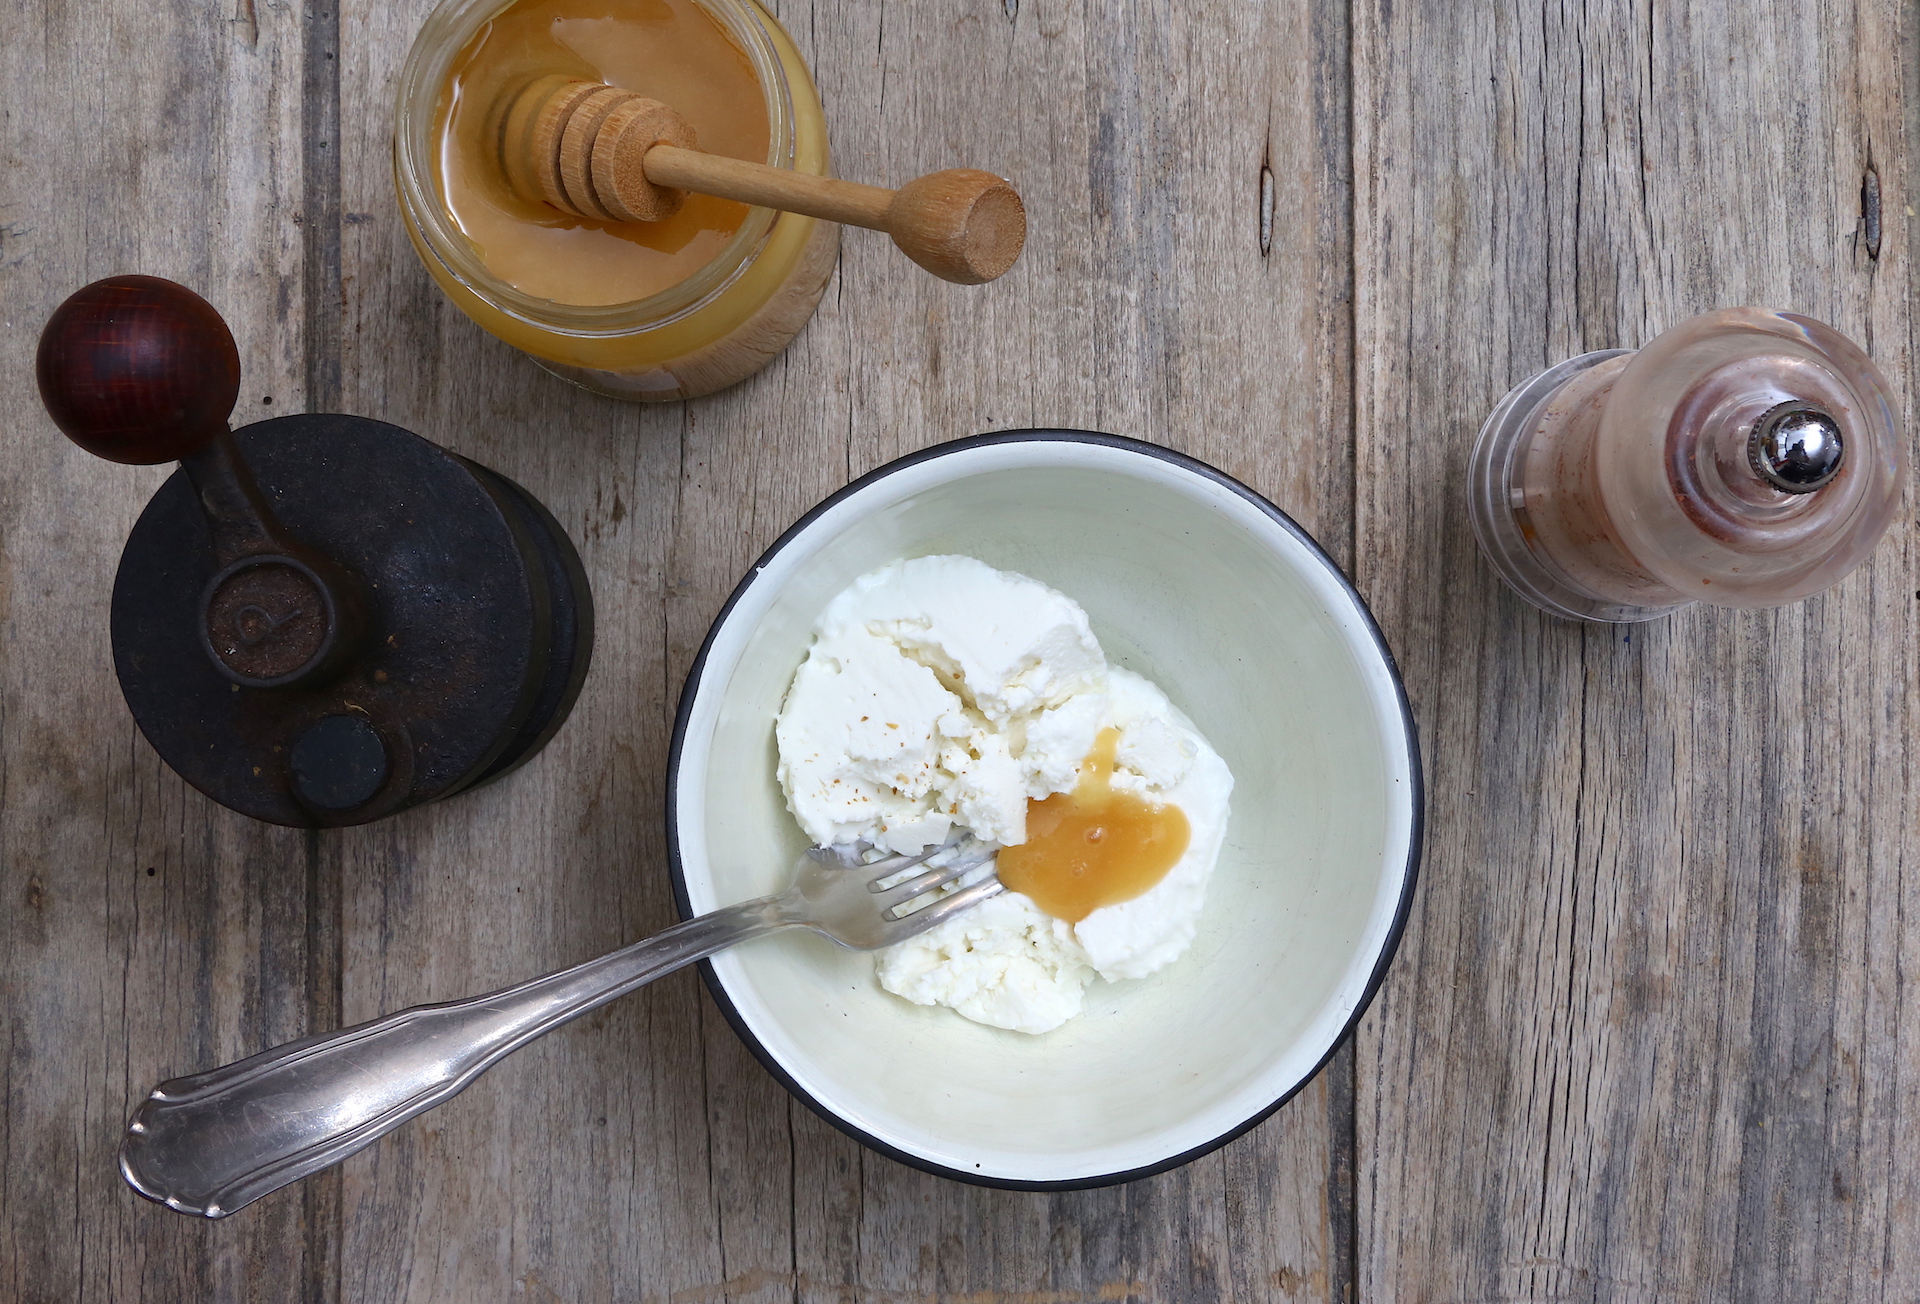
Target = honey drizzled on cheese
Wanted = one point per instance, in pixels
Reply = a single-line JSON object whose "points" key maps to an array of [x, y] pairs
{"points": [[1094, 846]]}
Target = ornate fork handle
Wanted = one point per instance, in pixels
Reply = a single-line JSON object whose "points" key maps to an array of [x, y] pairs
{"points": [[217, 1141]]}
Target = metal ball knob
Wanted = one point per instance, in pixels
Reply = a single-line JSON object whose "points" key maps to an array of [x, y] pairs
{"points": [[1797, 447]]}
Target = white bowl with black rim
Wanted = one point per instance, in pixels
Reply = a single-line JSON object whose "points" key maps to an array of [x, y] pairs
{"points": [[1206, 588]]}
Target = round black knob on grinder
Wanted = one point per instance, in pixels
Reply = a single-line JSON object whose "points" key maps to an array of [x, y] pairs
{"points": [[320, 620]]}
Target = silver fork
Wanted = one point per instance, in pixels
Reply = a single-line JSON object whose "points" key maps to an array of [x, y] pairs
{"points": [[216, 1142]]}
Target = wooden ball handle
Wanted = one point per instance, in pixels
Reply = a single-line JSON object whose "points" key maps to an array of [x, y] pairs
{"points": [[141, 370], [599, 152], [962, 225], [137, 369]]}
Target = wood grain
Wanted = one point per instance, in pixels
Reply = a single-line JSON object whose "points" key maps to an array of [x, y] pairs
{"points": [[645, 1153], [143, 931], [1649, 1036]]}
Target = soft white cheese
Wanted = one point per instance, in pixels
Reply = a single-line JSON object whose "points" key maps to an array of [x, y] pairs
{"points": [[1011, 644], [940, 691], [1002, 963], [861, 741], [1163, 758]]}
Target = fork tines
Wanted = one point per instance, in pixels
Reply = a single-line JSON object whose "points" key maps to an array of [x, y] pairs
{"points": [[900, 898]]}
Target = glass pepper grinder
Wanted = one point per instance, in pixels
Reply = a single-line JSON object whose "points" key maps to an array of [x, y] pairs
{"points": [[1745, 458]]}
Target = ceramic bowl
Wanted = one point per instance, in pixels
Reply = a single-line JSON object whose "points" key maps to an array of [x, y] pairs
{"points": [[1204, 587]]}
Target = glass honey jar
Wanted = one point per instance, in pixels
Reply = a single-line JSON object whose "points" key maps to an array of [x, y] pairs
{"points": [[652, 312]]}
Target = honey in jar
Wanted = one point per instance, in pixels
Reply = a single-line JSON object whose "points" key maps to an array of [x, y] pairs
{"points": [[670, 50], [655, 310]]}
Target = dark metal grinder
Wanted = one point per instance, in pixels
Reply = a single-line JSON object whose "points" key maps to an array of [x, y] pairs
{"points": [[318, 620]]}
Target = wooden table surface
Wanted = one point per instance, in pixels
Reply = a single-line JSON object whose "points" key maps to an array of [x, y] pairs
{"points": [[1651, 1034]]}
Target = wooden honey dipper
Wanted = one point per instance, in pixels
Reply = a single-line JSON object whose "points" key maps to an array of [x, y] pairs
{"points": [[599, 152]]}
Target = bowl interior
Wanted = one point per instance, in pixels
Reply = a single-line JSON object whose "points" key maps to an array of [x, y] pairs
{"points": [[1200, 589]]}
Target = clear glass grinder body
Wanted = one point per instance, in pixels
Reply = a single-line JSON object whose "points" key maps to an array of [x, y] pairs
{"points": [[1744, 458]]}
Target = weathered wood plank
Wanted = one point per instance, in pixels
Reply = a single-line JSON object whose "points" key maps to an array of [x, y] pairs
{"points": [[1648, 1037], [1143, 305], [144, 932], [645, 1153]]}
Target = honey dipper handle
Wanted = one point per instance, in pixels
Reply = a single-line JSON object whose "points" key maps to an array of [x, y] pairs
{"points": [[756, 183], [963, 225], [597, 151]]}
